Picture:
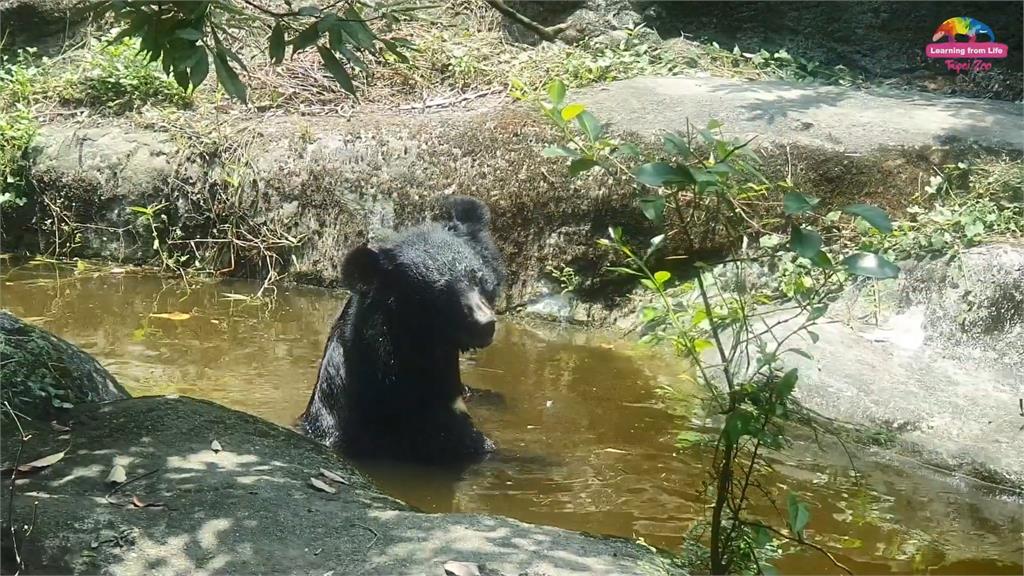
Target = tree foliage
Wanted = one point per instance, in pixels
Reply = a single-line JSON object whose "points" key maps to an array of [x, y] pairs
{"points": [[191, 38]]}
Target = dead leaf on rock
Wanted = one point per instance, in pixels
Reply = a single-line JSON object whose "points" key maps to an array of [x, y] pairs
{"points": [[332, 476], [321, 485], [215, 446], [452, 568], [171, 316], [137, 503], [42, 462], [117, 474]]}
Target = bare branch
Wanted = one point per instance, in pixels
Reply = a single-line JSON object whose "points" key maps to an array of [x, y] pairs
{"points": [[548, 33]]}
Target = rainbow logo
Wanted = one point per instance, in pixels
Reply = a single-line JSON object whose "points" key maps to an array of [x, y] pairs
{"points": [[949, 48], [963, 26]]}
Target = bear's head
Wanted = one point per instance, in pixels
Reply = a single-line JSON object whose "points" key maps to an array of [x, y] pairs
{"points": [[438, 280]]}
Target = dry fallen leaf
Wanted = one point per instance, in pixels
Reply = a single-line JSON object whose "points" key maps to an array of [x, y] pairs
{"points": [[215, 446], [140, 504], [452, 568], [59, 427], [332, 476], [172, 316], [117, 474], [321, 485], [42, 462]]}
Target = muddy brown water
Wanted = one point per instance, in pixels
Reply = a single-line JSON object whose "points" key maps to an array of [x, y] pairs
{"points": [[587, 441]]}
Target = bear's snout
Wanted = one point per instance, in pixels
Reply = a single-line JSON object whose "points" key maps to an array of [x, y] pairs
{"points": [[480, 320]]}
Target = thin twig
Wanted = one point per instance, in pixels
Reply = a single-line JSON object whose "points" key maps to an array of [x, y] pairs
{"points": [[123, 484], [838, 564], [14, 475], [376, 535]]}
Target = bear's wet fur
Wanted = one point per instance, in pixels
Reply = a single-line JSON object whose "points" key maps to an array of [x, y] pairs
{"points": [[389, 384]]}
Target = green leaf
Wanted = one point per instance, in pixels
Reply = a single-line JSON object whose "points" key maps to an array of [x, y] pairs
{"points": [[277, 43], [714, 124], [189, 34], [571, 111], [805, 242], [590, 125], [871, 265], [821, 260], [872, 215], [359, 32], [559, 151], [353, 58], [200, 69], [231, 54], [799, 352], [309, 35], [556, 92], [580, 165], [393, 48], [797, 203], [181, 78], [649, 284], [653, 208], [660, 174], [676, 144], [786, 384], [690, 438], [309, 11], [817, 312], [627, 149], [661, 276], [799, 515], [228, 78], [337, 70], [737, 425], [622, 270]]}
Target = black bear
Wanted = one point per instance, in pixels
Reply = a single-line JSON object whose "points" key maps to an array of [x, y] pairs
{"points": [[389, 383]]}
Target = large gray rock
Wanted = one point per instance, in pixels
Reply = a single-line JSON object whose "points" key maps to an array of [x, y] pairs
{"points": [[829, 117], [251, 509], [972, 304], [941, 374], [44, 374]]}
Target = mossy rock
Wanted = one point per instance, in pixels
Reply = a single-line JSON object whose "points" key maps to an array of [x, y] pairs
{"points": [[44, 375]]}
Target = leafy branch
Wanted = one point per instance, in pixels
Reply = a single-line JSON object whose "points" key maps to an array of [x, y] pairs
{"points": [[703, 185]]}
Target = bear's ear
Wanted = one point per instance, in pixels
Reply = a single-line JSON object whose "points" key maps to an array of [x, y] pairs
{"points": [[361, 268], [470, 212]]}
